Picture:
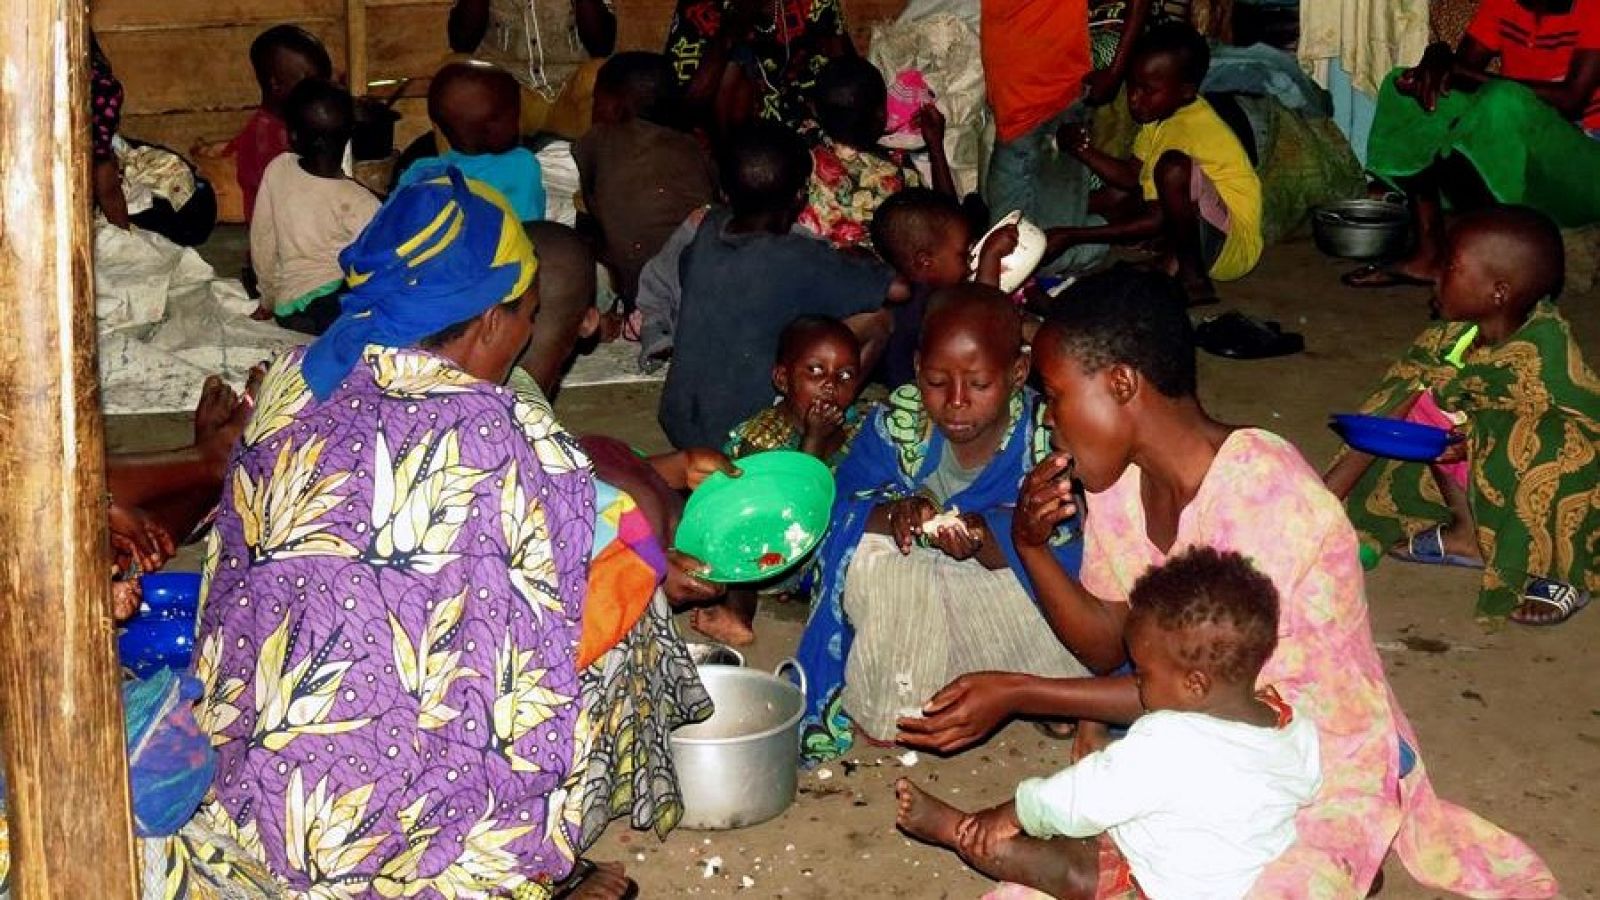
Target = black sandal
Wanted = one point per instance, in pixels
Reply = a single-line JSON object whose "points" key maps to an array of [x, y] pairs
{"points": [[581, 870], [1235, 335]]}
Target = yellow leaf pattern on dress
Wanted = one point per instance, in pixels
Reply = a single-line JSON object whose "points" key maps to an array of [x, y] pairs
{"points": [[281, 514], [420, 503], [557, 451], [294, 701], [216, 711], [427, 669], [532, 566], [328, 837], [398, 877], [415, 375], [283, 394], [484, 864], [522, 703]]}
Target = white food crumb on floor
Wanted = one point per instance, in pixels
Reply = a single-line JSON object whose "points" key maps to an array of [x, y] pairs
{"points": [[710, 866]]}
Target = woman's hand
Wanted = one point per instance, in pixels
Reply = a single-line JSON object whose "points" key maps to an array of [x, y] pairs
{"points": [[126, 595], [1100, 86], [137, 540], [964, 712], [1455, 451], [905, 517], [108, 193], [700, 463], [980, 834], [1090, 737], [684, 584], [1045, 501], [1429, 79]]}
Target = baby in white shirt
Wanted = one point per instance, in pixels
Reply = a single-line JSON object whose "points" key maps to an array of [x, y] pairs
{"points": [[1202, 792]]}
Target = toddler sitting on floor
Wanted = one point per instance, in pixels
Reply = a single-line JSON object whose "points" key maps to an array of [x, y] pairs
{"points": [[1202, 793], [1525, 506], [476, 108], [308, 211]]}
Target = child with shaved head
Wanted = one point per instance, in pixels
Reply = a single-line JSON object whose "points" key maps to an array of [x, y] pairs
{"points": [[476, 109], [917, 581], [1519, 497], [1202, 793]]}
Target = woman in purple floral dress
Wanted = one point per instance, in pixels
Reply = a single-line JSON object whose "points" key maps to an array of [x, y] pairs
{"points": [[395, 588]]}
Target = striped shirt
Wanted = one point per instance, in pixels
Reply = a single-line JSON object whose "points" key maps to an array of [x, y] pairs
{"points": [[1539, 47]]}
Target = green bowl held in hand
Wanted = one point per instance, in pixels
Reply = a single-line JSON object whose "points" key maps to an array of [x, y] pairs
{"points": [[761, 524]]}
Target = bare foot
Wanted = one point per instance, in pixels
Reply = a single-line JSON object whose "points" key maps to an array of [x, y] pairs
{"points": [[1461, 539], [926, 817], [216, 404], [606, 882], [720, 623]]}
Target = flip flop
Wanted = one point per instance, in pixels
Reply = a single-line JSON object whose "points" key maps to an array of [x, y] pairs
{"points": [[1565, 599], [1235, 335], [1373, 276], [1427, 548]]}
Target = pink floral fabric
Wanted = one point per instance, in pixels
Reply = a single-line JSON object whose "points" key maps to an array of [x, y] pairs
{"points": [[1263, 500], [847, 185]]}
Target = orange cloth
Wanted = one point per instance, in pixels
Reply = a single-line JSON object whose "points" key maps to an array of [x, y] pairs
{"points": [[621, 585], [1035, 56]]}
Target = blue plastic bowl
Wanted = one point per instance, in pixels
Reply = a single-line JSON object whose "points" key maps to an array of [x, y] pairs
{"points": [[161, 636], [1392, 438]]}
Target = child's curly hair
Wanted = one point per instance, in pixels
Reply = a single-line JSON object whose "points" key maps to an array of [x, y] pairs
{"points": [[1220, 612]]}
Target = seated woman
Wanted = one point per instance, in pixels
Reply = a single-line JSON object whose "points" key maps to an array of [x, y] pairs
{"points": [[1117, 362], [1525, 135], [917, 581], [400, 568]]}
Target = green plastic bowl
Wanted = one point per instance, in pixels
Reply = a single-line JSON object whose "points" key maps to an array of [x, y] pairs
{"points": [[761, 524]]}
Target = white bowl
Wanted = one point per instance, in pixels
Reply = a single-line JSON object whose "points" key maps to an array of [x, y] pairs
{"points": [[1019, 263]]}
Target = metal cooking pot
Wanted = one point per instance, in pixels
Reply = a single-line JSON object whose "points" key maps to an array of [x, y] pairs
{"points": [[741, 766], [711, 653], [1362, 229]]}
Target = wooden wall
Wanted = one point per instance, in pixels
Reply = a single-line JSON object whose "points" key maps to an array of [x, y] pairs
{"points": [[185, 63]]}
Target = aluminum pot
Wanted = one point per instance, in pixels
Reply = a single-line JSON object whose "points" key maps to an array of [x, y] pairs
{"points": [[1362, 229], [741, 766], [711, 653]]}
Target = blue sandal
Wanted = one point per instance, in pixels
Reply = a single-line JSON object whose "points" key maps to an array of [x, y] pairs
{"points": [[1427, 548], [1565, 599]]}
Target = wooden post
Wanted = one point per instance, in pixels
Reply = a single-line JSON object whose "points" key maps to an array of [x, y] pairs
{"points": [[355, 45], [61, 728]]}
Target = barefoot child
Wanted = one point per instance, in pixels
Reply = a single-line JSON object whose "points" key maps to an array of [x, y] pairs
{"points": [[475, 107], [1196, 188], [817, 376], [1525, 506], [308, 211], [925, 235], [1203, 791], [901, 606]]}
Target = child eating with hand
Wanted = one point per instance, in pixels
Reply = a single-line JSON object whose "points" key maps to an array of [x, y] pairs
{"points": [[1199, 796], [926, 236], [902, 605], [1189, 183], [308, 211], [476, 108], [817, 376], [1524, 503]]}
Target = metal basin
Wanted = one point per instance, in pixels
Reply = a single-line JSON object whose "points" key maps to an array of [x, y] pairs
{"points": [[711, 653], [1362, 229], [741, 766]]}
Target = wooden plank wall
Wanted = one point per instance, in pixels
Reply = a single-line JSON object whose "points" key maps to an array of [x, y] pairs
{"points": [[186, 69]]}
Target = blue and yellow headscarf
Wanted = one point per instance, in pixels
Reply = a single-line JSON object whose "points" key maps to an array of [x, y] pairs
{"points": [[440, 251]]}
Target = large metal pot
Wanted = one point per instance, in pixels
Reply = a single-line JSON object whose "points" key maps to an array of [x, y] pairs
{"points": [[741, 766], [1361, 229]]}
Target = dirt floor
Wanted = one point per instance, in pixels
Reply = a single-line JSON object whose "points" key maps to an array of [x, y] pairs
{"points": [[1509, 720]]}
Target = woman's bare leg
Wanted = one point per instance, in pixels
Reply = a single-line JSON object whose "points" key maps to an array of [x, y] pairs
{"points": [[1066, 868], [731, 621]]}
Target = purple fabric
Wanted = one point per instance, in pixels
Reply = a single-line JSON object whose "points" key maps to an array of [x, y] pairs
{"points": [[437, 759]]}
